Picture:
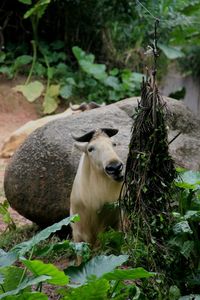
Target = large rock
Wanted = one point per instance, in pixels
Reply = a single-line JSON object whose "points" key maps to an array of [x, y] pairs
{"points": [[39, 177]]}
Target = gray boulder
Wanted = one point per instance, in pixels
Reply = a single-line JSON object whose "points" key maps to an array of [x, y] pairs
{"points": [[39, 177]]}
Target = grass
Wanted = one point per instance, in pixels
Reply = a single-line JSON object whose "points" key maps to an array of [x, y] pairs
{"points": [[9, 239]]}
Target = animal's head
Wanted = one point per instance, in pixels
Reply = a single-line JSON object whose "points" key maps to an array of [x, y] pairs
{"points": [[99, 148]]}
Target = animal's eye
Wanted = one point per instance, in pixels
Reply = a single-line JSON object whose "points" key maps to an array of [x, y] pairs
{"points": [[91, 148], [114, 144]]}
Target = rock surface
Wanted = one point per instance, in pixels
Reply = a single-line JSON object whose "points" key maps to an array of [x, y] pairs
{"points": [[39, 177]]}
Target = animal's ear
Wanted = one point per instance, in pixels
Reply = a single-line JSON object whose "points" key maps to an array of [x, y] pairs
{"points": [[81, 146], [110, 131], [84, 138]]}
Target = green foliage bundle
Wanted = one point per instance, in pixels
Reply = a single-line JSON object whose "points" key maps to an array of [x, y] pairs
{"points": [[149, 175]]}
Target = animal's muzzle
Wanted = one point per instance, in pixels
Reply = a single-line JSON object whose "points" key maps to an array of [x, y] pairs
{"points": [[114, 169]]}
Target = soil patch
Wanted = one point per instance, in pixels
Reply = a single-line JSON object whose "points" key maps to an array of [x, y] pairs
{"points": [[15, 111]]}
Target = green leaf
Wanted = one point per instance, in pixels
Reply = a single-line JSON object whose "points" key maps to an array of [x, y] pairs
{"points": [[171, 52], [182, 228], [174, 292], [31, 91], [22, 60], [28, 296], [66, 91], [2, 56], [50, 104], [38, 9], [94, 290], [97, 266], [81, 55], [137, 77], [24, 247], [7, 258], [192, 215], [113, 82], [28, 2], [12, 276], [26, 283], [187, 248], [1, 279], [51, 99], [39, 268], [128, 274], [8, 71], [96, 70]]}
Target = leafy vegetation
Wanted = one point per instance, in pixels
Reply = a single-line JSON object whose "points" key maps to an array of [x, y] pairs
{"points": [[78, 51], [116, 270], [117, 33], [96, 278]]}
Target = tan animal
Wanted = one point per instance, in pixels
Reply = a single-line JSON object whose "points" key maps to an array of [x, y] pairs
{"points": [[18, 136], [96, 186]]}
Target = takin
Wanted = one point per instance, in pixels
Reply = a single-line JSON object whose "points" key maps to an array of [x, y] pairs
{"points": [[96, 186]]}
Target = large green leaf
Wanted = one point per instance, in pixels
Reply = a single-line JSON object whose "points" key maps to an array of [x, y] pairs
{"points": [[128, 274], [24, 247], [22, 60], [171, 52], [12, 276], [51, 99], [182, 228], [26, 283], [50, 104], [94, 290], [192, 215], [38, 268], [66, 91], [7, 258], [113, 82], [38, 9], [28, 2], [31, 91], [96, 70], [81, 55], [97, 266], [187, 248], [28, 296], [1, 279]]}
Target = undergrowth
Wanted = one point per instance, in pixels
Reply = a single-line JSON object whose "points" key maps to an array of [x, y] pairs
{"points": [[178, 274]]}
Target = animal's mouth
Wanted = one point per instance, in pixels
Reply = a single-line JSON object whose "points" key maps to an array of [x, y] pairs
{"points": [[118, 178], [114, 170]]}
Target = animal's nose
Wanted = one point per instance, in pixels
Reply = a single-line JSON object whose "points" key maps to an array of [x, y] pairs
{"points": [[114, 167]]}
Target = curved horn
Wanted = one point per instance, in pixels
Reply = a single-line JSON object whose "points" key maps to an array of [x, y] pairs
{"points": [[82, 106], [110, 131], [88, 136], [84, 138], [94, 105]]}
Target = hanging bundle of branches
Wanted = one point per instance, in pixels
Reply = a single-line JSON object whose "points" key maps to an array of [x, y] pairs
{"points": [[149, 171]]}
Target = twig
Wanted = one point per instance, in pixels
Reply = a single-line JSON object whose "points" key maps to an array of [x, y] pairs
{"points": [[174, 138]]}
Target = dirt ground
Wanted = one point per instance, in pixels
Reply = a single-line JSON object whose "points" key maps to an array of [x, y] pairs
{"points": [[15, 111]]}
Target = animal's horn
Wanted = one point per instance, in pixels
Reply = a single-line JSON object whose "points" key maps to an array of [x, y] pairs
{"points": [[110, 131], [82, 107], [84, 138]]}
